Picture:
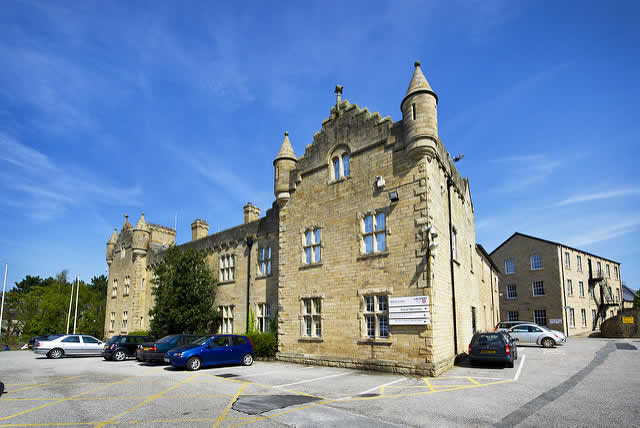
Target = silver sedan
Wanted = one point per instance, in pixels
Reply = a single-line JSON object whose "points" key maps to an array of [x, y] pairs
{"points": [[69, 345], [535, 334]]}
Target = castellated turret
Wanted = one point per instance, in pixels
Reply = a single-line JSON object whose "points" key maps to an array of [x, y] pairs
{"points": [[420, 116], [140, 238], [111, 244], [199, 229], [283, 164]]}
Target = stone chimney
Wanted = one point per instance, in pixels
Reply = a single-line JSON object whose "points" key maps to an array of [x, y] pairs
{"points": [[251, 213], [199, 229]]}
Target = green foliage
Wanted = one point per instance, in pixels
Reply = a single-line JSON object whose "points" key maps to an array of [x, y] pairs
{"points": [[37, 307], [140, 333], [184, 290], [265, 345], [252, 323]]}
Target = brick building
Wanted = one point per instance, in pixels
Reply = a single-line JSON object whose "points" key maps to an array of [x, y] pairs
{"points": [[556, 285], [368, 254]]}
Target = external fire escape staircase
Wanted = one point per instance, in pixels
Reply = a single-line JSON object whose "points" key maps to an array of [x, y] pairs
{"points": [[601, 292]]}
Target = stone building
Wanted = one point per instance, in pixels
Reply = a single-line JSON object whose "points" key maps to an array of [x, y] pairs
{"points": [[368, 254], [555, 285]]}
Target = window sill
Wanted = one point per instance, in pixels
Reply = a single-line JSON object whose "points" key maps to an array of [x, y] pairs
{"points": [[375, 341], [125, 295], [310, 339], [310, 266], [226, 282], [384, 253], [263, 276], [539, 295], [340, 180], [535, 270]]}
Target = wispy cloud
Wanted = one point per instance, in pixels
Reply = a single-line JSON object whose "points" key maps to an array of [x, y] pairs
{"points": [[524, 170], [575, 199], [45, 190], [605, 232]]}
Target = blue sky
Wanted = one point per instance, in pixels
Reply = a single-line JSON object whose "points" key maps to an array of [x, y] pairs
{"points": [[130, 107]]}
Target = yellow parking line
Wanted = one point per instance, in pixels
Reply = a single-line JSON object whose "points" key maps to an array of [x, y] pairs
{"points": [[42, 384], [61, 400], [219, 379], [474, 381], [146, 401], [428, 383], [226, 410]]}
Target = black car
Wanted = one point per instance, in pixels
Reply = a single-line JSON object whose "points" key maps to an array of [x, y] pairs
{"points": [[120, 348], [33, 340], [496, 346], [154, 351]]}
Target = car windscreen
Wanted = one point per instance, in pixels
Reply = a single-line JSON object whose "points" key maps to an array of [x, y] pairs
{"points": [[487, 338], [168, 339], [114, 339], [201, 340], [53, 336]]}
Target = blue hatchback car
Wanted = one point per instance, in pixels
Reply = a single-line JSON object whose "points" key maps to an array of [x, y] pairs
{"points": [[219, 349]]}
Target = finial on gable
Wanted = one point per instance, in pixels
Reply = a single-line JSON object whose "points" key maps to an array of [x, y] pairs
{"points": [[416, 64], [338, 93]]}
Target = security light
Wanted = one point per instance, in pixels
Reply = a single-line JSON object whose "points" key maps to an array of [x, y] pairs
{"points": [[393, 196]]}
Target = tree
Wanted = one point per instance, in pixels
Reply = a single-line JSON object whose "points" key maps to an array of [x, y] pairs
{"points": [[184, 290]]}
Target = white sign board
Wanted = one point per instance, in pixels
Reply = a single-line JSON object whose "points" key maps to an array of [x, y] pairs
{"points": [[555, 321], [422, 321], [409, 310]]}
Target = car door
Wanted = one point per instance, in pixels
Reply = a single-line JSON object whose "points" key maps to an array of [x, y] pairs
{"points": [[238, 348], [520, 332], [534, 333], [71, 345], [218, 351], [91, 345]]}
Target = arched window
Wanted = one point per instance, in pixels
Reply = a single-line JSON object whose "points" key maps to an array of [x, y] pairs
{"points": [[340, 164]]}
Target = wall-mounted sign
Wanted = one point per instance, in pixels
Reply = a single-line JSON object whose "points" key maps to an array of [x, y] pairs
{"points": [[627, 320], [409, 310], [555, 321]]}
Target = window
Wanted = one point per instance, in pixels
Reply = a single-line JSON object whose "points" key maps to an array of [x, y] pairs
{"points": [[572, 319], [376, 316], [264, 316], [583, 313], [413, 111], [471, 258], [617, 295], [454, 244], [608, 272], [127, 283], [512, 316], [593, 315], [581, 288], [264, 261], [71, 339], [511, 291], [122, 252], [567, 260], [112, 322], [340, 164], [538, 288], [227, 268], [540, 316], [374, 233], [125, 320], [615, 272], [579, 264], [312, 246], [536, 262], [599, 270], [142, 284], [141, 323], [569, 287], [227, 319], [509, 266], [114, 290], [312, 315]]}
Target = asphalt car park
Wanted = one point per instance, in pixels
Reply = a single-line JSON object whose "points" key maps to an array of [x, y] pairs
{"points": [[585, 382]]}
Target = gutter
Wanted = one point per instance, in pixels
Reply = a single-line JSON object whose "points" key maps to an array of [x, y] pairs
{"points": [[564, 295], [249, 245]]}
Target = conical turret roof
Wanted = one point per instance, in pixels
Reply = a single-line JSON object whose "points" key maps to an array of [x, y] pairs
{"points": [[141, 223], [419, 83], [114, 237], [286, 150]]}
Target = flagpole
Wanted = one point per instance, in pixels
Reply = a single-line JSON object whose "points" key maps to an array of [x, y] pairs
{"points": [[75, 318], [2, 304], [69, 313]]}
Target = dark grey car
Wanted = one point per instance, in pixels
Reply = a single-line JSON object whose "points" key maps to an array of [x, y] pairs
{"points": [[498, 347]]}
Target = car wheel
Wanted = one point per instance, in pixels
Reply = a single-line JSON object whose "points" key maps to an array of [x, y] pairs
{"points": [[120, 355], [55, 353], [107, 358], [547, 342], [510, 364], [247, 360], [194, 364]]}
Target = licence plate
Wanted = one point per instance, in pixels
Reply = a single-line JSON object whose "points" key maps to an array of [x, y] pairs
{"points": [[166, 360], [487, 351], [106, 346], [146, 348]]}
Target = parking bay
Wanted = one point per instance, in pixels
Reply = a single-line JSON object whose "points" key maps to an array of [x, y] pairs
{"points": [[93, 392]]}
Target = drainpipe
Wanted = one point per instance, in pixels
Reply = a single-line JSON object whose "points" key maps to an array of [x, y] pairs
{"points": [[564, 294], [453, 287], [249, 245], [493, 308]]}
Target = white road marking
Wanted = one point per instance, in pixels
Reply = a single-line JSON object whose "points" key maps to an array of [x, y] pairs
{"points": [[258, 374], [311, 380], [308, 367], [474, 377], [517, 376], [378, 387]]}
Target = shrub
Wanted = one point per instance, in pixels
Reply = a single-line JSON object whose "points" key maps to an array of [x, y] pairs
{"points": [[265, 345]]}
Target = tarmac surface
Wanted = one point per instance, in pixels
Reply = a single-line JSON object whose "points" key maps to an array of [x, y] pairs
{"points": [[589, 381]]}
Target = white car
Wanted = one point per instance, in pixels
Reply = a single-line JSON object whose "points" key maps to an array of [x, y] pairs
{"points": [[69, 345]]}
